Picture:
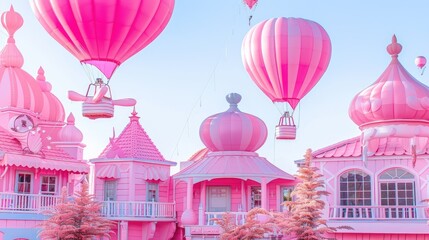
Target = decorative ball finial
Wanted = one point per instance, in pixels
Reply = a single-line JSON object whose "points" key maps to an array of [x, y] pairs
{"points": [[394, 48], [41, 79], [11, 21], [70, 119], [233, 99]]}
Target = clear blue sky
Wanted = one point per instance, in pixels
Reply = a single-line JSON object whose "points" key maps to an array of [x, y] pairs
{"points": [[184, 75]]}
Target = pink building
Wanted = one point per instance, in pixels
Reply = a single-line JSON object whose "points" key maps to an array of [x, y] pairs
{"points": [[40, 153], [379, 179]]}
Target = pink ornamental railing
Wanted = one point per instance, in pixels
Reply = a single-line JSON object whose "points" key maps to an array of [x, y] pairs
{"points": [[14, 202], [239, 217], [378, 212], [118, 209]]}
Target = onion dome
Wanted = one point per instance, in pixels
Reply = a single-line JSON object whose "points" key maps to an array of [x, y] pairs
{"points": [[396, 105], [70, 133], [53, 109], [19, 90], [233, 130]]}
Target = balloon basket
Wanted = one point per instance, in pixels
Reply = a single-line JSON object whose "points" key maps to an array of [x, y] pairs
{"points": [[286, 129], [102, 109]]}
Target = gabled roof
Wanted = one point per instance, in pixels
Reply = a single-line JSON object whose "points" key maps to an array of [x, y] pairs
{"points": [[132, 143], [353, 148]]}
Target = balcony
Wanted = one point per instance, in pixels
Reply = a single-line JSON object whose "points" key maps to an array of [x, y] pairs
{"points": [[29, 203], [379, 212], [141, 210], [38, 203]]}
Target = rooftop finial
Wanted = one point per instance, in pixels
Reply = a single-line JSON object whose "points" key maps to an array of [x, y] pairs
{"points": [[70, 119], [10, 55], [41, 79], [394, 48], [11, 21], [134, 116]]}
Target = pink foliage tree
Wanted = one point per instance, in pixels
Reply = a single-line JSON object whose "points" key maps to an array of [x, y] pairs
{"points": [[305, 220], [76, 219], [253, 227]]}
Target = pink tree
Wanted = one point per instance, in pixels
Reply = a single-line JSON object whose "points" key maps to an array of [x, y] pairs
{"points": [[253, 227], [305, 220], [76, 219]]}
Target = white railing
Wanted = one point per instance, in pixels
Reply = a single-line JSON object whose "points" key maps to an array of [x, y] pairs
{"points": [[378, 212], [138, 209], [239, 217], [12, 202]]}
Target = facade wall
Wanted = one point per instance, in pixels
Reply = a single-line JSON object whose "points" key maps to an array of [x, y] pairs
{"points": [[332, 170]]}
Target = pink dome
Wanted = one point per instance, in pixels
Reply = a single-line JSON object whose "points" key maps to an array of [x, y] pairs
{"points": [[19, 89], [70, 133], [395, 96], [233, 130], [395, 106]]}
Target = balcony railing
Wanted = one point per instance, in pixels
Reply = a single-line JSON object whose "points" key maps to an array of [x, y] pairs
{"points": [[118, 209], [378, 212], [238, 217], [32, 203]]}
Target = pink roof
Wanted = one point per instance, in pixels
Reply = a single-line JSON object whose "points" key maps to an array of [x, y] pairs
{"points": [[133, 142], [233, 164], [32, 161], [353, 148], [9, 144], [199, 154], [395, 96]]}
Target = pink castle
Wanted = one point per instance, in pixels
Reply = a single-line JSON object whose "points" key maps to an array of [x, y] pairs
{"points": [[377, 180]]}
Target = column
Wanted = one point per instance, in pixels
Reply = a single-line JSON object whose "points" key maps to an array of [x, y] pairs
{"points": [[264, 194]]}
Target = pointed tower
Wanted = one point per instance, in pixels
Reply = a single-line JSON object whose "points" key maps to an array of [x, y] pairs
{"points": [[133, 163]]}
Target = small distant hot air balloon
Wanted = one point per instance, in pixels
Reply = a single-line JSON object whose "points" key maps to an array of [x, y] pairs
{"points": [[420, 62], [102, 35], [286, 57], [250, 4]]}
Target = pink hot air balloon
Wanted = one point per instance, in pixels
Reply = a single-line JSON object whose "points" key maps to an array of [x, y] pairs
{"points": [[103, 33], [250, 3], [286, 57], [420, 62]]}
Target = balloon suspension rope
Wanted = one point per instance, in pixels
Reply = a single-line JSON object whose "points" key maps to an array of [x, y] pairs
{"points": [[212, 77], [423, 70]]}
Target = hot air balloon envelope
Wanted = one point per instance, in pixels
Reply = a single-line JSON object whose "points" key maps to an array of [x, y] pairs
{"points": [[103, 33], [420, 61], [286, 57], [250, 3]]}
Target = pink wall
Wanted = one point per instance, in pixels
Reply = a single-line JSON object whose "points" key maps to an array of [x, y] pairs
{"points": [[132, 184]]}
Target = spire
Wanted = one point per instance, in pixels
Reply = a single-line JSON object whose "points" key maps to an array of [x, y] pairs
{"points": [[10, 56], [394, 48], [70, 119], [134, 116], [41, 79], [233, 99]]}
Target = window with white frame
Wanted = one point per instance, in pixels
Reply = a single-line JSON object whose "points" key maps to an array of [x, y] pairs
{"points": [[24, 182], [355, 188], [48, 185], [152, 189], [110, 190], [397, 188]]}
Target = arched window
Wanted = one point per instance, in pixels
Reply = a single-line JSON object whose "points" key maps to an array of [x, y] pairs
{"points": [[355, 188], [397, 188]]}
